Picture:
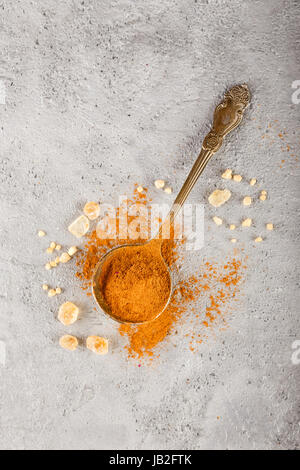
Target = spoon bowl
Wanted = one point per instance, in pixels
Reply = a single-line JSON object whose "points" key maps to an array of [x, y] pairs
{"points": [[98, 294]]}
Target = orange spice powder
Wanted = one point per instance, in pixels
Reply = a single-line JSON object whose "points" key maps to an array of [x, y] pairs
{"points": [[215, 284], [135, 283]]}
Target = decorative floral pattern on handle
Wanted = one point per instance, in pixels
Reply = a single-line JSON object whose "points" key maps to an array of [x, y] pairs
{"points": [[227, 116]]}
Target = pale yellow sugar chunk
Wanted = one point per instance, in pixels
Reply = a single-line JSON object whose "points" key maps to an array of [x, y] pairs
{"points": [[247, 223], [233, 240], [52, 245], [68, 342], [217, 220], [140, 189], [168, 190], [51, 293], [232, 227], [97, 344], [64, 258], [253, 181], [45, 287], [68, 313], [258, 239], [72, 250], [92, 210], [237, 178], [53, 264], [263, 196], [80, 226], [58, 247], [159, 184], [57, 260], [227, 175], [219, 197], [247, 201], [270, 227], [48, 266], [49, 250], [58, 290], [41, 233]]}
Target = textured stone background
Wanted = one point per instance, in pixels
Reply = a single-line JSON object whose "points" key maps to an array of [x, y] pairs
{"points": [[104, 93]]}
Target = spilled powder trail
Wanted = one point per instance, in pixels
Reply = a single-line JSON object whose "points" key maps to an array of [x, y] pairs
{"points": [[218, 284], [202, 301], [274, 134]]}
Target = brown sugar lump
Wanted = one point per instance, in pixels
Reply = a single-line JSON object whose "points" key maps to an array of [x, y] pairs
{"points": [[227, 175], [80, 226], [237, 178], [64, 258], [159, 184], [68, 342], [263, 195], [247, 223], [97, 344], [219, 197], [72, 250], [92, 210], [68, 313], [168, 190], [51, 293], [247, 201], [217, 220]]}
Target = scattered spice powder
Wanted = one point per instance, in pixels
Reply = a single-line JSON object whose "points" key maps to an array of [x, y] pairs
{"points": [[216, 285], [198, 304], [275, 135]]}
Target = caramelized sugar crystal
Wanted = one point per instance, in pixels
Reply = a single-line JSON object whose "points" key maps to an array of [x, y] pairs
{"points": [[92, 210], [97, 344], [219, 197], [80, 226], [68, 313]]}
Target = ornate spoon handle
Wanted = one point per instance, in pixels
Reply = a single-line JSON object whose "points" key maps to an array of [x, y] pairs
{"points": [[227, 116]]}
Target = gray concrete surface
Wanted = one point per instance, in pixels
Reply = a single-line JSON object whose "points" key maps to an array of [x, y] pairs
{"points": [[104, 93]]}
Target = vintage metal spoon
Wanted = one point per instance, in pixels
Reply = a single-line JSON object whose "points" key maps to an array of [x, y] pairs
{"points": [[227, 116]]}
